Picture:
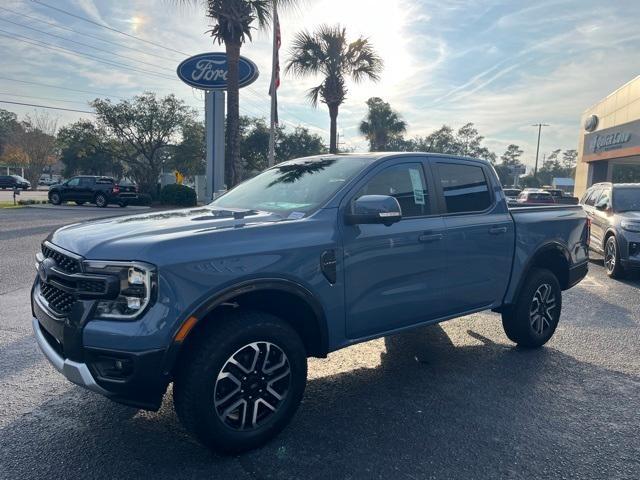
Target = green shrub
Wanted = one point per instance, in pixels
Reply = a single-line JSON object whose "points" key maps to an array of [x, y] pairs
{"points": [[178, 195]]}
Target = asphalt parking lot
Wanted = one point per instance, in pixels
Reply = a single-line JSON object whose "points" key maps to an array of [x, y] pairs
{"points": [[450, 401]]}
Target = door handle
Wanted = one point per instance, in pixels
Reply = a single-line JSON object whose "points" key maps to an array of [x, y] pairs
{"points": [[497, 230], [430, 237]]}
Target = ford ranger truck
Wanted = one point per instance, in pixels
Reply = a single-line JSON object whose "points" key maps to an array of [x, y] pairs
{"points": [[227, 301]]}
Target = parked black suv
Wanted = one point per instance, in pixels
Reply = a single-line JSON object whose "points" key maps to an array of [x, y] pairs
{"points": [[14, 181], [614, 210], [99, 190]]}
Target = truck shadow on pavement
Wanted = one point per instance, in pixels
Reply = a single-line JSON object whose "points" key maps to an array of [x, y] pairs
{"points": [[429, 409]]}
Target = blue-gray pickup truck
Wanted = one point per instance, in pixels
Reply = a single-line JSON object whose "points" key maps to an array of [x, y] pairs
{"points": [[228, 301]]}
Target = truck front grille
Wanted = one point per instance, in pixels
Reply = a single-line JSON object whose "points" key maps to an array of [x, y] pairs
{"points": [[65, 262], [60, 302]]}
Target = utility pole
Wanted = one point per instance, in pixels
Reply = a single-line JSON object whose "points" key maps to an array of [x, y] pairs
{"points": [[539, 125]]}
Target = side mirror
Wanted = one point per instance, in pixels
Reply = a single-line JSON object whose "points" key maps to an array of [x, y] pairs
{"points": [[370, 209], [602, 206]]}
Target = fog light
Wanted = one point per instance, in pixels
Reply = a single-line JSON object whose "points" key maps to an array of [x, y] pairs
{"points": [[634, 248], [110, 367]]}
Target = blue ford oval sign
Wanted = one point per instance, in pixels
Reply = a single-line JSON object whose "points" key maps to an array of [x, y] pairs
{"points": [[208, 71]]}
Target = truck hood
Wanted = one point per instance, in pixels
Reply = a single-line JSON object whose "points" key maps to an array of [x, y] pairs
{"points": [[631, 215], [131, 237]]}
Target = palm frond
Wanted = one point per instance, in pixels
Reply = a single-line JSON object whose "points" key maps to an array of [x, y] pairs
{"points": [[362, 60], [307, 55], [313, 94]]}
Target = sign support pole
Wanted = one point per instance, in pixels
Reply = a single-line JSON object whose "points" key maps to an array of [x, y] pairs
{"points": [[214, 101]]}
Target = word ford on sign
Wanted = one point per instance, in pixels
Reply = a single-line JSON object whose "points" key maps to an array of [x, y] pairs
{"points": [[209, 71]]}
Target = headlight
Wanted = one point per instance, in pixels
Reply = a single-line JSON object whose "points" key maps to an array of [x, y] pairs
{"points": [[137, 288], [630, 226]]}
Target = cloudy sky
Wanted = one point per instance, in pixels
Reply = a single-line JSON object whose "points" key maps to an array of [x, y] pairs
{"points": [[502, 64]]}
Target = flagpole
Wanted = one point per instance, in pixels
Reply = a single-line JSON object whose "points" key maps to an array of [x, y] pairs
{"points": [[272, 90]]}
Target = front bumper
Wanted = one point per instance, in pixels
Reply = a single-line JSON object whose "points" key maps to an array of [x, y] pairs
{"points": [[75, 372], [141, 384]]}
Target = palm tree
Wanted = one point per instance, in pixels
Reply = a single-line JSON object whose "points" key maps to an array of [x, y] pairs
{"points": [[326, 52], [381, 124], [233, 22]]}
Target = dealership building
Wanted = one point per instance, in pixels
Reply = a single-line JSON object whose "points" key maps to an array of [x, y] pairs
{"points": [[609, 144]]}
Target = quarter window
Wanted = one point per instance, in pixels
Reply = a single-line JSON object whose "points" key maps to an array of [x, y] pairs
{"points": [[464, 187], [406, 183]]}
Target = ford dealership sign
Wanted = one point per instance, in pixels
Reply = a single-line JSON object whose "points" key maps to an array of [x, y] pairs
{"points": [[208, 71]]}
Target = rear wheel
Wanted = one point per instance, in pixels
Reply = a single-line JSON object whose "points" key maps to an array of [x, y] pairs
{"points": [[612, 258], [101, 200], [532, 321], [241, 381], [55, 198]]}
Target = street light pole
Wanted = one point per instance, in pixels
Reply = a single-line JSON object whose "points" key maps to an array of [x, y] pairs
{"points": [[539, 125]]}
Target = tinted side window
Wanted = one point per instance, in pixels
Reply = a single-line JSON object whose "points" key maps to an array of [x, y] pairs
{"points": [[87, 182], [404, 182], [74, 182], [591, 197], [465, 188], [605, 197]]}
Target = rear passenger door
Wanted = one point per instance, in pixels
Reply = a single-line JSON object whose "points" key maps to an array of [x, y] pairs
{"points": [[600, 218], [589, 207], [480, 234]]}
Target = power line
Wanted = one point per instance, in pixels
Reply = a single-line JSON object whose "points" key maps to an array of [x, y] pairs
{"points": [[43, 98], [22, 25], [89, 35], [59, 87], [31, 41], [84, 19], [46, 106]]}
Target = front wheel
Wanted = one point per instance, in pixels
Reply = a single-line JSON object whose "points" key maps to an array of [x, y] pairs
{"points": [[55, 198], [532, 321], [612, 258], [241, 381], [101, 200]]}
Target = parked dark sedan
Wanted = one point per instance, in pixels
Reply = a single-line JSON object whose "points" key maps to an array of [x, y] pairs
{"points": [[614, 210], [14, 181], [99, 190]]}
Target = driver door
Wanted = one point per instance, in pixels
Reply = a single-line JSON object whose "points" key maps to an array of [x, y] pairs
{"points": [[393, 274], [69, 190]]}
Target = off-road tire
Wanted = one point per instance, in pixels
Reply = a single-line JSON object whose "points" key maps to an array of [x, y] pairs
{"points": [[520, 324], [200, 366]]}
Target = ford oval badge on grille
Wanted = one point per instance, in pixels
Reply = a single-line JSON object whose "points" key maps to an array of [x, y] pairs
{"points": [[44, 269]]}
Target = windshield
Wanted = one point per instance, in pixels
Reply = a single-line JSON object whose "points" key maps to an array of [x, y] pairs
{"points": [[293, 188], [626, 199]]}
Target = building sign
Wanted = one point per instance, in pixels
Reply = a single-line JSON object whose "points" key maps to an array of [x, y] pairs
{"points": [[614, 142], [610, 141], [208, 71]]}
